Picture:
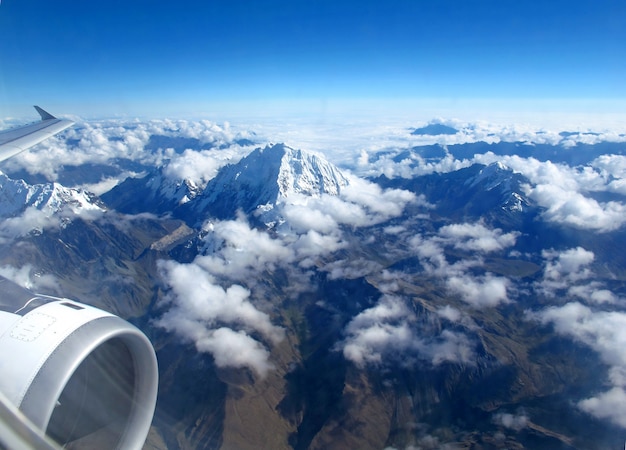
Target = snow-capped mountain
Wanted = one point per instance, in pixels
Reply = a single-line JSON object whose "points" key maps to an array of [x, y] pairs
{"points": [[17, 195], [498, 178], [266, 177], [473, 192], [155, 193]]}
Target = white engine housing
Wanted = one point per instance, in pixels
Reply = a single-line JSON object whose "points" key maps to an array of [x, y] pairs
{"points": [[78, 372]]}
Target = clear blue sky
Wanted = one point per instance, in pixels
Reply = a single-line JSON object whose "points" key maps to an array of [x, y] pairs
{"points": [[153, 56]]}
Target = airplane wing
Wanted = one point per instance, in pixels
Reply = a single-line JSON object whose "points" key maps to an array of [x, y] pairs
{"points": [[16, 140]]}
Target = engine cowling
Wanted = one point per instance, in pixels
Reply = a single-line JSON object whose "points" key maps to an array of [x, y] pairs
{"points": [[80, 374]]}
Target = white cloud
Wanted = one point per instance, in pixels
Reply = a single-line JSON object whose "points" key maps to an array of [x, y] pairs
{"points": [[303, 217], [217, 320], [389, 331], [450, 313], [477, 237], [235, 349], [198, 166], [237, 251], [316, 244], [609, 405], [478, 291], [605, 332], [384, 203], [592, 292], [513, 421], [100, 142], [568, 273], [570, 264], [574, 209]]}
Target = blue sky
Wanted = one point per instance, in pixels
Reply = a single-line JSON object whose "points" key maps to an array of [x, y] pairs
{"points": [[152, 57]]}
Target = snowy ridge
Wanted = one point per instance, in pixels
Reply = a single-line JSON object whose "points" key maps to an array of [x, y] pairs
{"points": [[497, 176], [175, 191], [17, 195], [268, 176], [494, 175], [305, 173]]}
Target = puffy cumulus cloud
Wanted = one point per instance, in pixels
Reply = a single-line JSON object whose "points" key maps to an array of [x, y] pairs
{"points": [[514, 421], [376, 330], [199, 166], [567, 273], [26, 276], [94, 143], [237, 250], [313, 244], [359, 204], [235, 349], [302, 219], [605, 173], [456, 316], [613, 170], [593, 292], [312, 226], [477, 237], [605, 332], [102, 142], [215, 319], [412, 165], [570, 264], [538, 172], [448, 347], [574, 209], [385, 203], [450, 313], [609, 405], [478, 291], [388, 330]]}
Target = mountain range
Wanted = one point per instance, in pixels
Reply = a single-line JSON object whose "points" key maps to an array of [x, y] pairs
{"points": [[415, 312]]}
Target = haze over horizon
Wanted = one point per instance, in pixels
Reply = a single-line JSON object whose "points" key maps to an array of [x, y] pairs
{"points": [[224, 59]]}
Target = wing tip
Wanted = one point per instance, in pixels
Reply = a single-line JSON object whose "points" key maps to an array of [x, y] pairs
{"points": [[45, 115]]}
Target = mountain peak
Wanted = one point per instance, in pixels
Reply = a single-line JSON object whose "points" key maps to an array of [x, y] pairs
{"points": [[267, 176]]}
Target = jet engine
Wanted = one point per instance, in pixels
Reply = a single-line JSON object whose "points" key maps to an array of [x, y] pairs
{"points": [[84, 377]]}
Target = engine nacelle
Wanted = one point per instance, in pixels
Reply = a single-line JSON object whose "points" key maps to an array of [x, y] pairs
{"points": [[80, 374]]}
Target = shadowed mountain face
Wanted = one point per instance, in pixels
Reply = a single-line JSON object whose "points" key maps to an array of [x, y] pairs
{"points": [[437, 311]]}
